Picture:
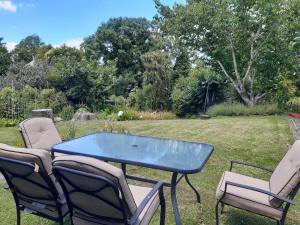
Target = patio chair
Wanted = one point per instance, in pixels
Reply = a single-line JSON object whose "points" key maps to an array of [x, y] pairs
{"points": [[98, 193], [34, 188], [267, 198], [39, 132]]}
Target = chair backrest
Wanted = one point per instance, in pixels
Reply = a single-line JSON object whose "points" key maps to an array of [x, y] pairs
{"points": [[39, 133], [95, 191], [27, 174], [286, 176]]}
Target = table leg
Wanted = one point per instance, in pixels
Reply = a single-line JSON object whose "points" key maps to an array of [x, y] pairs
{"points": [[123, 165], [194, 189], [174, 199]]}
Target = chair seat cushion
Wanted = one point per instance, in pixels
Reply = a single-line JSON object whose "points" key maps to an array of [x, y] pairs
{"points": [[139, 194], [247, 199]]}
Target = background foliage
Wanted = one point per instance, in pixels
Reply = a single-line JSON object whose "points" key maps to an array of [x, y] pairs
{"points": [[187, 59]]}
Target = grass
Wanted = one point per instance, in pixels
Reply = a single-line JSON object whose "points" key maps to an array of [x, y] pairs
{"points": [[258, 139]]}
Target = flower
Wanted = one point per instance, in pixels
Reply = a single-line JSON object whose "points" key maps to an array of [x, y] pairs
{"points": [[120, 113]]}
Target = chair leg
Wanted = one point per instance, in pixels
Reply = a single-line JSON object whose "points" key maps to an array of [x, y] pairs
{"points": [[61, 221], [162, 207], [217, 213], [222, 207], [18, 216]]}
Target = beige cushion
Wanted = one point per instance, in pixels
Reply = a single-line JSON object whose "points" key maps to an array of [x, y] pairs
{"points": [[101, 168], [287, 175], [139, 194], [246, 199], [42, 160], [39, 133], [134, 195]]}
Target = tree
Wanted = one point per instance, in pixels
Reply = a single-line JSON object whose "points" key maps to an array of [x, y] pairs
{"points": [[248, 41], [83, 81], [123, 40], [27, 48], [41, 53], [182, 65], [5, 59], [21, 74], [63, 54], [197, 91], [157, 84]]}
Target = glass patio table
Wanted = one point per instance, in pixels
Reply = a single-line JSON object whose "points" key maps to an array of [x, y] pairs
{"points": [[178, 157]]}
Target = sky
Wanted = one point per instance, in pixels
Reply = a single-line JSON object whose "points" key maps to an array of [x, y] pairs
{"points": [[67, 22]]}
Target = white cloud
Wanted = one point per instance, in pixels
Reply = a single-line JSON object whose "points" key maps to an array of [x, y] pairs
{"points": [[8, 5], [73, 43], [10, 46]]}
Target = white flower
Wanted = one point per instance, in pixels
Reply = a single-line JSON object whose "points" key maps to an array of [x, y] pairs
{"points": [[120, 113]]}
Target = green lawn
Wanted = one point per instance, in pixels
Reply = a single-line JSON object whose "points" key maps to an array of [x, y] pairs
{"points": [[262, 140]]}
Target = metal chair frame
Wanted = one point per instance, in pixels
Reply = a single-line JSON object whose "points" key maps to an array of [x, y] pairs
{"points": [[57, 170], [51, 189], [287, 202]]}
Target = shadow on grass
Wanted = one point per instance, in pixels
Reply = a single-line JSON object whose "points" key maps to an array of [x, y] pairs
{"points": [[239, 217]]}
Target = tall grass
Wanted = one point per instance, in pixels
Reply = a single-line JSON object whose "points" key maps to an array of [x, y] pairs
{"points": [[236, 109]]}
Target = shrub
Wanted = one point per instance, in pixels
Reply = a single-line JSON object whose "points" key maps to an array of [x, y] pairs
{"points": [[196, 92], [67, 112], [82, 110], [51, 99], [19, 104], [7, 122], [156, 115], [132, 114], [293, 104], [236, 109]]}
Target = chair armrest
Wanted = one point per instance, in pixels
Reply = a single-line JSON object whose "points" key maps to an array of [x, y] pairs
{"points": [[258, 190], [134, 219], [250, 165]]}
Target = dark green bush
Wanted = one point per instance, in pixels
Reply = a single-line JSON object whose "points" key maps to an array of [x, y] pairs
{"points": [[237, 109], [193, 94]]}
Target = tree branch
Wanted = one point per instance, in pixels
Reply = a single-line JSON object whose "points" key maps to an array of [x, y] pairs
{"points": [[235, 63], [226, 74]]}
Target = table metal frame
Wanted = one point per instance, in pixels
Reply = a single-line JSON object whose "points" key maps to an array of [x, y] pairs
{"points": [[176, 178], [177, 175]]}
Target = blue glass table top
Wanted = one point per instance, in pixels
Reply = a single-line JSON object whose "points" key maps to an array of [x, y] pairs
{"points": [[165, 154]]}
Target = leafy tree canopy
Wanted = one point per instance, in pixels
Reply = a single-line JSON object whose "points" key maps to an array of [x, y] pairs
{"points": [[5, 59], [248, 41], [27, 48], [123, 40]]}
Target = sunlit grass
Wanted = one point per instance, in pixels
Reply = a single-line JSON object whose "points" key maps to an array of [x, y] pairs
{"points": [[261, 140]]}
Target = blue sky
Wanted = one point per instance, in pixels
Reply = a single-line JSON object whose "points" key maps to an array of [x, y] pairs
{"points": [[66, 21]]}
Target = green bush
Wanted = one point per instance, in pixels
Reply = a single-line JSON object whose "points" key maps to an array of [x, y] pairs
{"points": [[7, 122], [293, 105], [236, 109], [83, 110], [193, 94], [67, 112], [19, 104]]}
